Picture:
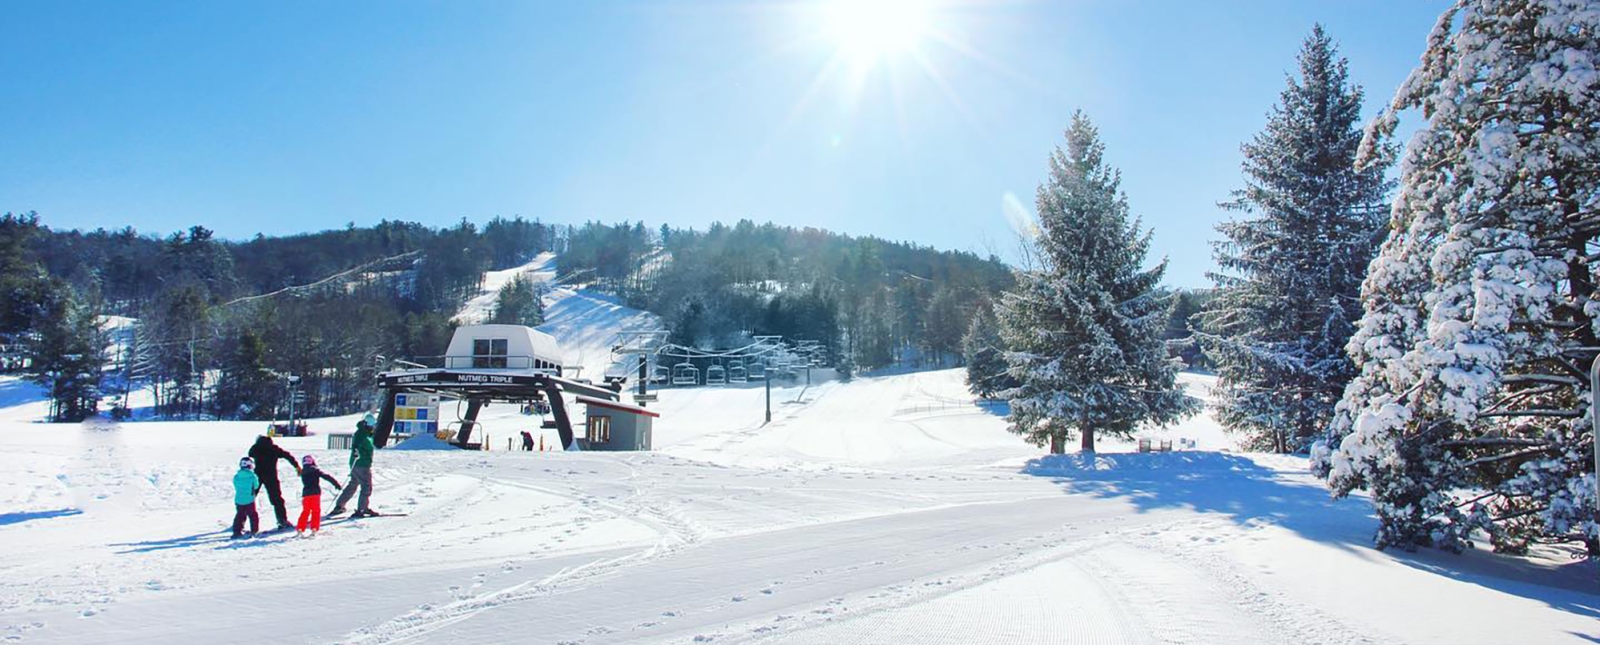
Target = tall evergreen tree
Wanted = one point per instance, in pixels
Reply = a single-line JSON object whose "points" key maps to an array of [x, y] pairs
{"points": [[520, 302], [1471, 408], [1084, 329], [24, 284], [1181, 322], [985, 354], [944, 325], [247, 389], [1292, 265], [200, 260], [67, 355]]}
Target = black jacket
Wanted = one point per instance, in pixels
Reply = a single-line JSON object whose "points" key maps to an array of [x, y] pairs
{"points": [[267, 455], [310, 481]]}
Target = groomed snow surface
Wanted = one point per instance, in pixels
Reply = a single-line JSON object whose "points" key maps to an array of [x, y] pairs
{"points": [[887, 510]]}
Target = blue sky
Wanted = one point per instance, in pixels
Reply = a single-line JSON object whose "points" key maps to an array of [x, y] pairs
{"points": [[287, 117]]}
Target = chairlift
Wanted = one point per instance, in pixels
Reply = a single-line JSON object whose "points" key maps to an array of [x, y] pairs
{"points": [[737, 373], [685, 373], [661, 374], [773, 366], [716, 375], [757, 370]]}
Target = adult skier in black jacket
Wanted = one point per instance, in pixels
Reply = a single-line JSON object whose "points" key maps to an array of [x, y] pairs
{"points": [[266, 453]]}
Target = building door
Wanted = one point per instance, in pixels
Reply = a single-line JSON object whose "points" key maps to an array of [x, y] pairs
{"points": [[599, 430]]}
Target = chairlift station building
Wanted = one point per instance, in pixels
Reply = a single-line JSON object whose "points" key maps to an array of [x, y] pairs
{"points": [[508, 364]]}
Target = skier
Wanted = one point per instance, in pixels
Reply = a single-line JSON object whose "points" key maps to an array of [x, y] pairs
{"points": [[311, 495], [266, 454], [245, 488], [360, 472], [527, 440]]}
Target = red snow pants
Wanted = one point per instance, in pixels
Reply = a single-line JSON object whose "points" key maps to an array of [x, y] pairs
{"points": [[310, 509]]}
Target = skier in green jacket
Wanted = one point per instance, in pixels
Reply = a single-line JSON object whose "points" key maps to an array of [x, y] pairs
{"points": [[360, 472]]}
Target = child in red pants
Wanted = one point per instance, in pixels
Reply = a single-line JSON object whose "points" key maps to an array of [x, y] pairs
{"points": [[311, 495]]}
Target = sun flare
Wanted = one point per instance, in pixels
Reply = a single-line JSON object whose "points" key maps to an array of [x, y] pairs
{"points": [[869, 30]]}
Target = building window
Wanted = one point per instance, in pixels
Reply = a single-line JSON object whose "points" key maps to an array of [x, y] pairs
{"points": [[599, 429], [489, 352]]}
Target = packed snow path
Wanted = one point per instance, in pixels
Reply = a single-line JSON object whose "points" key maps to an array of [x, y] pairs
{"points": [[887, 510]]}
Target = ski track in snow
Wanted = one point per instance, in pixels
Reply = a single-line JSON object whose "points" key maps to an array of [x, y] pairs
{"points": [[887, 510]]}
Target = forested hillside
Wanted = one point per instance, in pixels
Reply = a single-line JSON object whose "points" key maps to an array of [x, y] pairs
{"points": [[219, 325], [871, 302], [214, 328]]}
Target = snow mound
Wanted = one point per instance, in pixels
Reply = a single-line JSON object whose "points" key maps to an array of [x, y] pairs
{"points": [[423, 442]]}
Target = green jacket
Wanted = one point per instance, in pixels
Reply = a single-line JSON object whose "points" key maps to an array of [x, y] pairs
{"points": [[245, 487], [361, 448]]}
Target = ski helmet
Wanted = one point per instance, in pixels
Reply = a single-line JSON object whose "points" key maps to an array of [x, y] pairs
{"points": [[308, 460], [247, 463]]}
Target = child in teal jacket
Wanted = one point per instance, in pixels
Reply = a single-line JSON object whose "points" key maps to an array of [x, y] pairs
{"points": [[245, 487]]}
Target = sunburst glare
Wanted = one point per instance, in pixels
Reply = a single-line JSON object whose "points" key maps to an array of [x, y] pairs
{"points": [[866, 31]]}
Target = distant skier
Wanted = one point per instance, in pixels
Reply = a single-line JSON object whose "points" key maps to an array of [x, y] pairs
{"points": [[527, 440], [245, 488], [266, 453], [311, 495], [361, 449]]}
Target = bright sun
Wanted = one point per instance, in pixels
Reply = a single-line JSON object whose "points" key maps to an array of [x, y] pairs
{"points": [[869, 30]]}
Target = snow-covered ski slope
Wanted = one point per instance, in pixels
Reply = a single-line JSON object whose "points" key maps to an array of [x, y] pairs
{"points": [[584, 321], [480, 307], [886, 510]]}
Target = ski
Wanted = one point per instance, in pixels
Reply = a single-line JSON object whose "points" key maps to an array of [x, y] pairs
{"points": [[349, 517]]}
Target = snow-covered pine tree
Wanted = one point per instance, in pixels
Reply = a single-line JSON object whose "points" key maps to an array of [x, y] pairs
{"points": [[1289, 288], [984, 353], [1083, 330], [1471, 407]]}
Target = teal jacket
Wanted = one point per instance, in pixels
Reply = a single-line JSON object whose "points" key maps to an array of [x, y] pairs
{"points": [[361, 448], [245, 485]]}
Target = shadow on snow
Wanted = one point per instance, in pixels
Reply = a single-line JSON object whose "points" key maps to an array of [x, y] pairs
{"points": [[7, 519], [221, 539], [994, 407], [1238, 488], [185, 542], [17, 391]]}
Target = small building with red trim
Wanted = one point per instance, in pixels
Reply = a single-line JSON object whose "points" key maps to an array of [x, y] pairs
{"points": [[614, 425]]}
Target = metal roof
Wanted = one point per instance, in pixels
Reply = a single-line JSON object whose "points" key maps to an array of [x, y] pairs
{"points": [[617, 405]]}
